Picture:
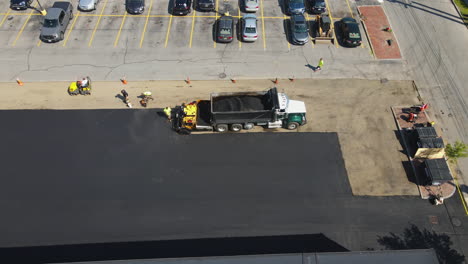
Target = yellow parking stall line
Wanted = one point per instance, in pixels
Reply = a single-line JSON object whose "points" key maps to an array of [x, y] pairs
{"points": [[332, 24], [146, 24], [287, 40], [349, 7], [116, 42], [263, 25], [311, 39], [97, 24], [461, 195], [24, 25], [71, 29], [168, 31], [20, 14], [240, 42], [193, 25], [216, 19], [39, 43], [5, 17]]}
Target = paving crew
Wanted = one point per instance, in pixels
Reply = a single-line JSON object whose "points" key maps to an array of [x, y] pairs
{"points": [[168, 111]]}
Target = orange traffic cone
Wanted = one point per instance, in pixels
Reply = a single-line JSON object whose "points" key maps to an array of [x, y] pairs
{"points": [[291, 79], [275, 81], [233, 80], [19, 82], [123, 80], [188, 80]]}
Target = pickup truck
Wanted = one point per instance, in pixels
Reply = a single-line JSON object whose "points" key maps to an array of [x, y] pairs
{"points": [[56, 21]]}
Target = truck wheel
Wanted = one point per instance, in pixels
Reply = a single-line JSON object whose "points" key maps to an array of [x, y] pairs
{"points": [[221, 128], [293, 125], [249, 126], [236, 127]]}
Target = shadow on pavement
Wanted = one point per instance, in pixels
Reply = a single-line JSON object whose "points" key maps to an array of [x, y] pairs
{"points": [[173, 249], [415, 238], [430, 10]]}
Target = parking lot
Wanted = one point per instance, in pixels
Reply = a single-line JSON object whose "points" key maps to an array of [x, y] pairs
{"points": [[110, 27]]}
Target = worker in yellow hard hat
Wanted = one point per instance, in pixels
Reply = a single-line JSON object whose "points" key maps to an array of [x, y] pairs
{"points": [[168, 111]]}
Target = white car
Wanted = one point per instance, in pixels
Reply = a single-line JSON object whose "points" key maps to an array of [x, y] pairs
{"points": [[249, 28], [87, 5], [251, 5]]}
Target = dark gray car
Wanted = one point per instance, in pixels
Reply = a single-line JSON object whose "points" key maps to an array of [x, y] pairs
{"points": [[225, 29], [299, 29], [56, 21]]}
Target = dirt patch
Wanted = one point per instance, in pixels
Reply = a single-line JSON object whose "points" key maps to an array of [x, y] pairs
{"points": [[359, 110]]}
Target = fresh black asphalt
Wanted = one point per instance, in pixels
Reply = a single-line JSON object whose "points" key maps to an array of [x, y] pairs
{"points": [[104, 176]]}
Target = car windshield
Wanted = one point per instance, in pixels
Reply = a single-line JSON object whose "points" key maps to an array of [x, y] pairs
{"points": [[225, 31], [50, 23], [300, 27], [320, 3], [250, 30], [354, 35]]}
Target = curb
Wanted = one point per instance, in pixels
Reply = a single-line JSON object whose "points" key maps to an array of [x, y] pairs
{"points": [[459, 13], [365, 30]]}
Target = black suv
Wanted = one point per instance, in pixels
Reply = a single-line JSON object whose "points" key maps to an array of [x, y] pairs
{"points": [[206, 5], [350, 33], [20, 4], [225, 29], [181, 7], [135, 6], [317, 6]]}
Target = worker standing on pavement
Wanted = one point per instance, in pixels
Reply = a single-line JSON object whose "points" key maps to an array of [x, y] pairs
{"points": [[168, 112], [319, 66]]}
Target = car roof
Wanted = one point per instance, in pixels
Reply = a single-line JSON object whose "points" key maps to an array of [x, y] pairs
{"points": [[298, 17], [249, 22], [249, 16], [348, 20]]}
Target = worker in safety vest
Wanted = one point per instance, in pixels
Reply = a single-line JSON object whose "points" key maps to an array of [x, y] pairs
{"points": [[168, 111]]}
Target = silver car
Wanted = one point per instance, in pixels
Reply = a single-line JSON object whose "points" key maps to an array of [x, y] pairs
{"points": [[87, 5], [251, 5], [249, 27], [299, 29]]}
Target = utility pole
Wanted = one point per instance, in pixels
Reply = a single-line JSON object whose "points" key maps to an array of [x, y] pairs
{"points": [[42, 10]]}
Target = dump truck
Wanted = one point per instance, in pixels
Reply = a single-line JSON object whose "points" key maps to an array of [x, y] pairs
{"points": [[240, 110]]}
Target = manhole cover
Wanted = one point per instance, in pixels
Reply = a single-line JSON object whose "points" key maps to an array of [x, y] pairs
{"points": [[433, 219], [222, 75], [456, 222]]}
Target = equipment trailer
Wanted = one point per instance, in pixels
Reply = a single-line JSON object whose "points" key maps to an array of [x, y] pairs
{"points": [[240, 110]]}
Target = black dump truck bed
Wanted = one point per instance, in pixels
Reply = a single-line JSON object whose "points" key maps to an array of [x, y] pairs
{"points": [[244, 102], [244, 107]]}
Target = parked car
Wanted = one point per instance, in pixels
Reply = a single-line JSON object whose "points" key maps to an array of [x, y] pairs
{"points": [[135, 7], [20, 4], [206, 5], [56, 21], [350, 33], [87, 5], [295, 7], [225, 29], [249, 28], [181, 7], [299, 29], [317, 6], [251, 5]]}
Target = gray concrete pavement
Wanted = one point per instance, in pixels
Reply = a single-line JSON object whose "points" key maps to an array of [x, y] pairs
{"points": [[433, 42]]}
